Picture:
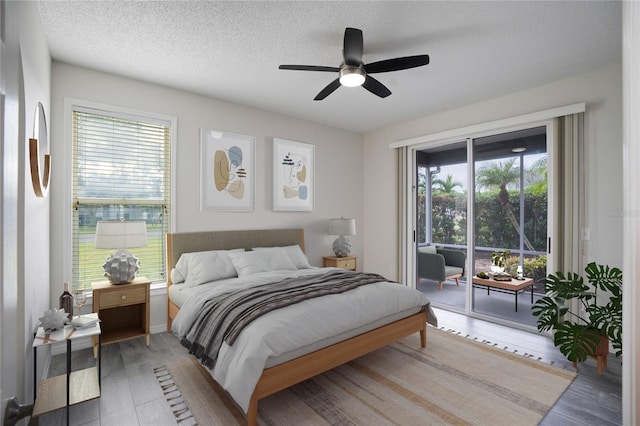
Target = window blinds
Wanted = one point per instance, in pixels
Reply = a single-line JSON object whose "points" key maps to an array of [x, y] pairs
{"points": [[121, 169]]}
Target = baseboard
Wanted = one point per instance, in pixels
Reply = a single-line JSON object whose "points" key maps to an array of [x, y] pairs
{"points": [[159, 328]]}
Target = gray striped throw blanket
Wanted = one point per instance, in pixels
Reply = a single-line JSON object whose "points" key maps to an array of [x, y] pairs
{"points": [[223, 317]]}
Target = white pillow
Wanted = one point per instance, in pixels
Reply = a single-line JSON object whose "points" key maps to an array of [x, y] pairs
{"points": [[176, 276], [428, 249], [295, 253], [205, 266], [253, 262], [181, 268]]}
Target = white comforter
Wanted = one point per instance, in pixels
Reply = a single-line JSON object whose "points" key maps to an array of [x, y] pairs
{"points": [[279, 332]]}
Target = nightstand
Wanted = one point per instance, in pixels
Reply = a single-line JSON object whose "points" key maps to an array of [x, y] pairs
{"points": [[80, 385], [123, 309], [347, 262]]}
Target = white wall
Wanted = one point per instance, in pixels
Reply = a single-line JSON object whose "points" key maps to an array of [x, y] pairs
{"points": [[631, 288], [338, 160], [26, 67], [602, 92], [34, 261]]}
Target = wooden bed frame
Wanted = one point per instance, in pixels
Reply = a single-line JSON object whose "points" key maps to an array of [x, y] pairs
{"points": [[287, 374]]}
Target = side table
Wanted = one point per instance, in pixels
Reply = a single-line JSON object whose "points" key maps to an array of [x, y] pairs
{"points": [[80, 386], [347, 262], [123, 309]]}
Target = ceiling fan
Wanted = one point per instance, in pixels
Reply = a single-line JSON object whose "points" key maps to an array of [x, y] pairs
{"points": [[353, 72]]}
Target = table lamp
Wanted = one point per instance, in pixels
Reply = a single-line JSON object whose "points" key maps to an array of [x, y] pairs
{"points": [[342, 246], [121, 267]]}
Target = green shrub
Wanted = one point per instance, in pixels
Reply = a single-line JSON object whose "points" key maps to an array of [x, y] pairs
{"points": [[536, 268]]}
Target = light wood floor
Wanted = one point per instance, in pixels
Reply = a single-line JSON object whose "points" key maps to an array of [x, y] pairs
{"points": [[131, 394]]}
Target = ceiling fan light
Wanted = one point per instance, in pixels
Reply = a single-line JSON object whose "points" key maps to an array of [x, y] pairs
{"points": [[352, 76]]}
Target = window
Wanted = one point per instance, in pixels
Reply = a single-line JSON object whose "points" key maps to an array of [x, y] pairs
{"points": [[121, 170]]}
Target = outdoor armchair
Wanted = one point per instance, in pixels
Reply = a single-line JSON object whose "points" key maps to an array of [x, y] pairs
{"points": [[440, 264]]}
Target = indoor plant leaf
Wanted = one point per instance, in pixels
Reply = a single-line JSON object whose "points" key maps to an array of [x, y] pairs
{"points": [[609, 321], [605, 278], [577, 335], [549, 313], [567, 286], [576, 341]]}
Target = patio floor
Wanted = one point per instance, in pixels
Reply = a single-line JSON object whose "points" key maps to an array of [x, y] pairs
{"points": [[499, 305]]}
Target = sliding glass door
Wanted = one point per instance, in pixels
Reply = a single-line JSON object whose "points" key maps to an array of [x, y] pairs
{"points": [[510, 218], [442, 198], [484, 195]]}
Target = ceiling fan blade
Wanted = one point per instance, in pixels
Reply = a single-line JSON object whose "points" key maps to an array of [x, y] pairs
{"points": [[352, 46], [397, 64], [308, 68], [375, 87], [331, 87]]}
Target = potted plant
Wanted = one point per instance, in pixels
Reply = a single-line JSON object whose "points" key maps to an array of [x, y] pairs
{"points": [[498, 260], [576, 334]]}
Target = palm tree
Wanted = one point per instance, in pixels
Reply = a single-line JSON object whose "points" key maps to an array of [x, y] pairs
{"points": [[422, 180], [501, 175], [445, 186], [538, 176]]}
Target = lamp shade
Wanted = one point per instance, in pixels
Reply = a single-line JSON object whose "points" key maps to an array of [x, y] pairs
{"points": [[342, 226], [113, 234]]}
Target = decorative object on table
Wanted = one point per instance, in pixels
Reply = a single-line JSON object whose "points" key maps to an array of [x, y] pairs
{"points": [[501, 276], [39, 158], [342, 227], [293, 171], [227, 171], [121, 267], [498, 260], [80, 322], [578, 335], [66, 301], [79, 299], [53, 319]]}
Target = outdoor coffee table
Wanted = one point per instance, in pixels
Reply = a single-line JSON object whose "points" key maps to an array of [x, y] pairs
{"points": [[514, 286]]}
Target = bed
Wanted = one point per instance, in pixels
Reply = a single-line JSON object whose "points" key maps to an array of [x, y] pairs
{"points": [[278, 371]]}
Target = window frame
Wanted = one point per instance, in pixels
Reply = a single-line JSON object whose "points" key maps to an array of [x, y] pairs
{"points": [[66, 167]]}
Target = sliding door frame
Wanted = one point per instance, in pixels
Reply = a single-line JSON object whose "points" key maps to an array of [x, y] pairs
{"points": [[408, 247]]}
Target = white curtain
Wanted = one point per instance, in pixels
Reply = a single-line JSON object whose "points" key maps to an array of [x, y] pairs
{"points": [[405, 257], [569, 183]]}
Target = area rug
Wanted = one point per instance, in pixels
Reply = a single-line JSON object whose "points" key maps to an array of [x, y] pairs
{"points": [[453, 381]]}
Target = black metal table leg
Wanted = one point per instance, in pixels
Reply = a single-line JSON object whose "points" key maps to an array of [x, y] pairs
{"points": [[532, 294], [35, 371], [100, 362], [68, 376]]}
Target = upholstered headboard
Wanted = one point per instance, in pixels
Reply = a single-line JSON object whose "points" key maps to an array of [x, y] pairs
{"points": [[188, 242]]}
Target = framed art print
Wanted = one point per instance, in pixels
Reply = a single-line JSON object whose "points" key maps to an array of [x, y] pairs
{"points": [[227, 171], [293, 169]]}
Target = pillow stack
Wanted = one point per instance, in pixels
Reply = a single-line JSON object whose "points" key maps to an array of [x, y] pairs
{"points": [[197, 268]]}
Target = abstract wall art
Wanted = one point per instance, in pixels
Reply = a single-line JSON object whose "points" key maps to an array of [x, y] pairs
{"points": [[293, 168], [227, 171]]}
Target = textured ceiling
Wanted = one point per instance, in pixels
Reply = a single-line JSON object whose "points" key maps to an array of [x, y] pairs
{"points": [[231, 50]]}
